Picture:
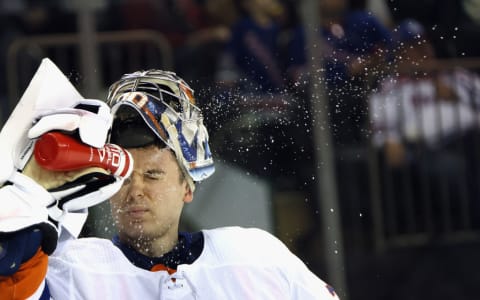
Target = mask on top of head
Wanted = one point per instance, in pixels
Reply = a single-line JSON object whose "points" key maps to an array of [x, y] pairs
{"points": [[154, 105]]}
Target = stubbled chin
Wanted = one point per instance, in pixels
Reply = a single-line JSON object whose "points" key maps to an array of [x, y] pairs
{"points": [[134, 234], [138, 230], [131, 228]]}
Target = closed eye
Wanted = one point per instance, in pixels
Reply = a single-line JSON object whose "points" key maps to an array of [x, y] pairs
{"points": [[153, 174]]}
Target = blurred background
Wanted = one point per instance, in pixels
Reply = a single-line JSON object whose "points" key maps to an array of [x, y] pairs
{"points": [[347, 128]]}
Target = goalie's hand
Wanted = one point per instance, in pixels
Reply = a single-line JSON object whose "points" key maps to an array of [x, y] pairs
{"points": [[53, 200], [75, 190], [35, 197], [90, 117]]}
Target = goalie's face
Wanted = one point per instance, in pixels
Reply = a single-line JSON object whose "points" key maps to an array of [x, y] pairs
{"points": [[147, 208]]}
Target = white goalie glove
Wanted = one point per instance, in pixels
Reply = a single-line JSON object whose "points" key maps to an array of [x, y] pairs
{"points": [[49, 199], [24, 204], [91, 118], [37, 196]]}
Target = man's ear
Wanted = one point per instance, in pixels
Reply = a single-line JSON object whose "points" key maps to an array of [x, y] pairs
{"points": [[188, 197]]}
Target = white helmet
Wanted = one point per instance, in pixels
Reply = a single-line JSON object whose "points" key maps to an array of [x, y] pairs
{"points": [[154, 104]]}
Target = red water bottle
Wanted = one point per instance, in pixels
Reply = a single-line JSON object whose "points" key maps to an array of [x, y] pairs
{"points": [[56, 151]]}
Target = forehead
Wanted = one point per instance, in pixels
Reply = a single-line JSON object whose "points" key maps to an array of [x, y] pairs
{"points": [[152, 157]]}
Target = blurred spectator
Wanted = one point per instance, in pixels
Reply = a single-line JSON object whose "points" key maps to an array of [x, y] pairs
{"points": [[417, 105], [196, 30], [380, 9], [353, 44], [292, 55], [259, 52], [251, 58], [430, 13], [205, 42], [453, 26], [161, 15], [175, 19], [263, 126], [250, 74], [426, 120]]}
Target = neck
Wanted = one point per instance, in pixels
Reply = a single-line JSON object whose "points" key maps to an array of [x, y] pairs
{"points": [[153, 247]]}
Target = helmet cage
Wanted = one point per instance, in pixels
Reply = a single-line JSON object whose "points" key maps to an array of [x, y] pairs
{"points": [[167, 106]]}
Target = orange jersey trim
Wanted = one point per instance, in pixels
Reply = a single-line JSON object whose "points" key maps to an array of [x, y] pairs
{"points": [[162, 267], [26, 280]]}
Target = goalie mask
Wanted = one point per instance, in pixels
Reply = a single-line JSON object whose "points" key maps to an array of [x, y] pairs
{"points": [[154, 105]]}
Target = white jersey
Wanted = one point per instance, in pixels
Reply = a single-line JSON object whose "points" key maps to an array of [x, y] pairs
{"points": [[409, 109], [236, 263]]}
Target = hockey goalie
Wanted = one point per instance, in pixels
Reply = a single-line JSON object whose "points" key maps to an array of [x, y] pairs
{"points": [[61, 154]]}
